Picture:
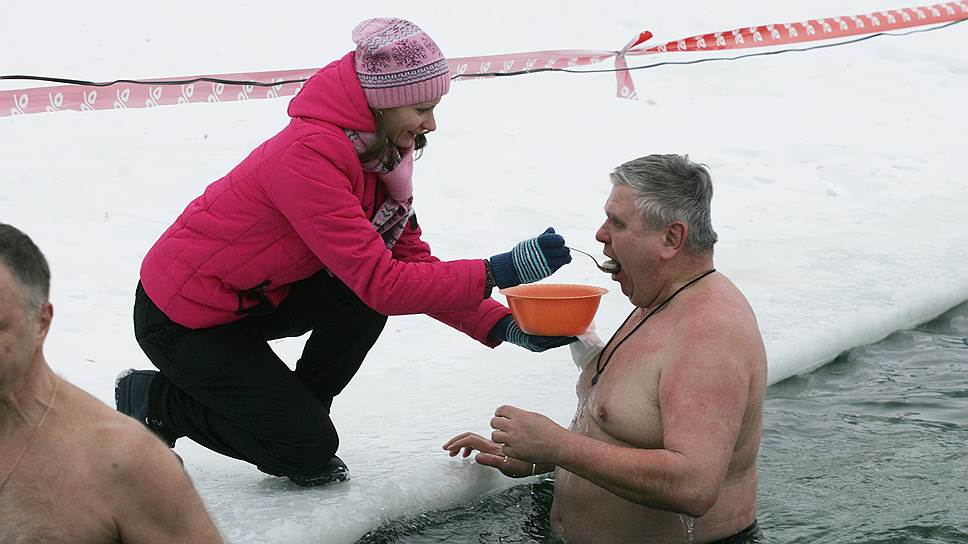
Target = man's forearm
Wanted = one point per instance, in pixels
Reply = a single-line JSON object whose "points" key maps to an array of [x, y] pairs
{"points": [[656, 478]]}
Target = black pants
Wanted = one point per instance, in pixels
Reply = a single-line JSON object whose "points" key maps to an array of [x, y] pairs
{"points": [[226, 389]]}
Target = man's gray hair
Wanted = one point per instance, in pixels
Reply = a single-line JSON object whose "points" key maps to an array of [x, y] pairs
{"points": [[27, 264], [672, 188]]}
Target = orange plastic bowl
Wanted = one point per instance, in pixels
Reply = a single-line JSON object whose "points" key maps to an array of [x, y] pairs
{"points": [[554, 309]]}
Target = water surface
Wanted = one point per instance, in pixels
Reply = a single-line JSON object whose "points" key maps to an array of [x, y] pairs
{"points": [[872, 448]]}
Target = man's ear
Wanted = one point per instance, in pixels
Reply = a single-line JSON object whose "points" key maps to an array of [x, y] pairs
{"points": [[44, 319], [675, 239]]}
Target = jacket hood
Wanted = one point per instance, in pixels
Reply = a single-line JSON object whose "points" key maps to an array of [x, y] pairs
{"points": [[333, 95]]}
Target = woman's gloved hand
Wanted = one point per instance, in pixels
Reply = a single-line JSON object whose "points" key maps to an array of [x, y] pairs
{"points": [[531, 260], [506, 330]]}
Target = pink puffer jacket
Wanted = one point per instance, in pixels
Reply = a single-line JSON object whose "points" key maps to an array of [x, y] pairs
{"points": [[300, 202]]}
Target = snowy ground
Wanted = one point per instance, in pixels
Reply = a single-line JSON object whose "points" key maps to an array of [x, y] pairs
{"points": [[840, 177]]}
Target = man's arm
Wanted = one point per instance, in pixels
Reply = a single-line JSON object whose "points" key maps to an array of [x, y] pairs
{"points": [[702, 402], [156, 501]]}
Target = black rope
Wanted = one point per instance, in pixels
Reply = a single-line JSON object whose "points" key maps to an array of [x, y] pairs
{"points": [[152, 82], [599, 367], [86, 83]]}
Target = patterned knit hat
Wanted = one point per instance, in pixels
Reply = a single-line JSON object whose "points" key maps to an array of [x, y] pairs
{"points": [[398, 63]]}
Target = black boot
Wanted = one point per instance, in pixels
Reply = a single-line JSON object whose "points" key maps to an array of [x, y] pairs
{"points": [[334, 471], [131, 399]]}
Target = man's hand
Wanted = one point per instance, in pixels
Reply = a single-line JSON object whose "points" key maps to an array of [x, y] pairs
{"points": [[489, 453], [526, 435]]}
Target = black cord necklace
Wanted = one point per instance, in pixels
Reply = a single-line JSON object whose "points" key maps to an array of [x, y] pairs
{"points": [[599, 367]]}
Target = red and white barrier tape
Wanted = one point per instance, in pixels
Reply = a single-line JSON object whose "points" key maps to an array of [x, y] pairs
{"points": [[143, 95]]}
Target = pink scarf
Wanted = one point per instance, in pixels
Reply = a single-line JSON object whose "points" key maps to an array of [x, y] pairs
{"points": [[392, 216]]}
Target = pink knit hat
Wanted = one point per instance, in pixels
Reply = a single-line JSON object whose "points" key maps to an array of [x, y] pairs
{"points": [[398, 63]]}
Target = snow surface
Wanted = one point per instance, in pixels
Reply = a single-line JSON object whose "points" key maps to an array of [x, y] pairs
{"points": [[840, 202]]}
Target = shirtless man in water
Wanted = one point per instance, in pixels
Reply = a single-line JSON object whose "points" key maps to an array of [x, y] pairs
{"points": [[71, 468], [664, 442]]}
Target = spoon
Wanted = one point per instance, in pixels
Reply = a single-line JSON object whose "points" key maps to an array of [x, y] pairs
{"points": [[609, 266]]}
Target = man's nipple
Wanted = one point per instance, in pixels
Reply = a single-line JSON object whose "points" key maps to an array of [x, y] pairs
{"points": [[601, 414]]}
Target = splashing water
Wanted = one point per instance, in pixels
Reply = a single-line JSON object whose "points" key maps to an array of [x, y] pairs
{"points": [[688, 526]]}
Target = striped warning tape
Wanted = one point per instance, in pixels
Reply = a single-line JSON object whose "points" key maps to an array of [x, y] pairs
{"points": [[258, 85]]}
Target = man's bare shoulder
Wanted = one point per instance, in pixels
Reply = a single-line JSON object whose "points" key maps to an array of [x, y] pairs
{"points": [[94, 473], [721, 316], [717, 339], [116, 444], [135, 476]]}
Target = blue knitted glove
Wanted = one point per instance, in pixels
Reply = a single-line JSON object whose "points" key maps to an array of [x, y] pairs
{"points": [[531, 260], [507, 330]]}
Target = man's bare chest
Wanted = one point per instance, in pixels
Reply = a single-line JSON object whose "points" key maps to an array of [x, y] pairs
{"points": [[53, 499], [25, 516], [623, 405]]}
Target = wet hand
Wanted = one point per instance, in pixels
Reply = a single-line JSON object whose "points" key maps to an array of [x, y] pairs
{"points": [[524, 435], [489, 454]]}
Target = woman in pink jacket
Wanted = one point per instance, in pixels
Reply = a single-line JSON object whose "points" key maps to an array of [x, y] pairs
{"points": [[313, 231]]}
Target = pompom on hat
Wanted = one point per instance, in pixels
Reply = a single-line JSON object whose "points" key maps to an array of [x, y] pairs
{"points": [[398, 64]]}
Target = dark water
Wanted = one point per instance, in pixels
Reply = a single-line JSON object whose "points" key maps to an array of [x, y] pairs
{"points": [[870, 449]]}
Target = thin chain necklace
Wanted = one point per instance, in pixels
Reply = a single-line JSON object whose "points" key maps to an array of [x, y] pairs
{"points": [[599, 366], [50, 404]]}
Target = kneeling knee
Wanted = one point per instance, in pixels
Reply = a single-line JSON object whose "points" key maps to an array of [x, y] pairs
{"points": [[310, 456]]}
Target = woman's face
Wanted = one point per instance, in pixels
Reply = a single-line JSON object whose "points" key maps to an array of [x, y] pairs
{"points": [[402, 124]]}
